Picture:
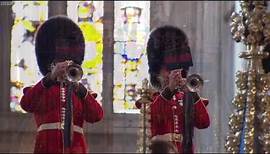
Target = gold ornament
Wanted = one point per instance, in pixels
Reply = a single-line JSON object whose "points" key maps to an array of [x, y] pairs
{"points": [[251, 26], [144, 141]]}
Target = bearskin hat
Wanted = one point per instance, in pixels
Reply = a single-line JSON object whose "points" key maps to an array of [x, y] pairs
{"points": [[168, 47], [58, 39]]}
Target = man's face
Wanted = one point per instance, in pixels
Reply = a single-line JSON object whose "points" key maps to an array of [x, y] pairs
{"points": [[164, 74]]}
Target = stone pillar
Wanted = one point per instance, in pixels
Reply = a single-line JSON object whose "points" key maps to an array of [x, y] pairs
{"points": [[57, 8]]}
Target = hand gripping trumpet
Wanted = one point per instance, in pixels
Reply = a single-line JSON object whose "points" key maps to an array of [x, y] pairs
{"points": [[74, 72], [194, 83]]}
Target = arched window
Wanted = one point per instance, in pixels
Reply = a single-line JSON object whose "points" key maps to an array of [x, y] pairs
{"points": [[28, 15], [131, 27], [89, 16]]}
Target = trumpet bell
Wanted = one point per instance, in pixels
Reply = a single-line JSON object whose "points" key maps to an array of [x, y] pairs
{"points": [[194, 82], [74, 73]]}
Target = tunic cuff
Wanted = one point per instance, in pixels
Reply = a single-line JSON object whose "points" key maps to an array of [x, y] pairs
{"points": [[81, 91], [195, 96]]}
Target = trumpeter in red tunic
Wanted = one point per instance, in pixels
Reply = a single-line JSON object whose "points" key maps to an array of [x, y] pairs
{"points": [[43, 100], [174, 109], [60, 107]]}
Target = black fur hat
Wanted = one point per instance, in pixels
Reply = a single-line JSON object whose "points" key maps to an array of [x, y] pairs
{"points": [[58, 39], [167, 46]]}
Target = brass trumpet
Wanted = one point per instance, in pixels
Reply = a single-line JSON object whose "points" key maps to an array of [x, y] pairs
{"points": [[194, 83], [74, 72]]}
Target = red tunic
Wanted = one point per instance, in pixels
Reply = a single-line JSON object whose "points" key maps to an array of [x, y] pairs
{"points": [[44, 103], [167, 118]]}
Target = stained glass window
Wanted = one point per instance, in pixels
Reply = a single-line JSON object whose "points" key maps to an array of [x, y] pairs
{"points": [[88, 15], [131, 27], [28, 15]]}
